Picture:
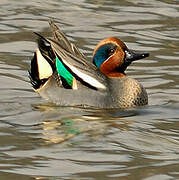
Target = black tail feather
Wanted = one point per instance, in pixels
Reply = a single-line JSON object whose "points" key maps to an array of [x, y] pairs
{"points": [[46, 50], [34, 74]]}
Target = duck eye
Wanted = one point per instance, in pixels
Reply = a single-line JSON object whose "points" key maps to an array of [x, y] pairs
{"points": [[111, 51]]}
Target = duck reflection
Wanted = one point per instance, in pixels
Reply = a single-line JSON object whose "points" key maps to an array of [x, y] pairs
{"points": [[79, 123]]}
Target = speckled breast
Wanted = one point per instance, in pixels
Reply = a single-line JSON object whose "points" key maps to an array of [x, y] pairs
{"points": [[127, 92]]}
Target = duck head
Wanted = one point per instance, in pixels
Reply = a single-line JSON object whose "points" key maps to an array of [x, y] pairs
{"points": [[113, 57]]}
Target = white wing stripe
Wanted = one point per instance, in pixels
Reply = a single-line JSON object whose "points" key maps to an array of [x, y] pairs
{"points": [[90, 80]]}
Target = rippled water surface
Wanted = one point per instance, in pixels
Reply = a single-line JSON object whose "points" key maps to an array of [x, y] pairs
{"points": [[41, 141]]}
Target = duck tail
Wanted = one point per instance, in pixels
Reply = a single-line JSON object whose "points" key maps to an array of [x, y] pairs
{"points": [[42, 63]]}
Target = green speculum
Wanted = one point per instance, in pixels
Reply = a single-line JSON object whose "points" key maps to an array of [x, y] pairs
{"points": [[62, 71]]}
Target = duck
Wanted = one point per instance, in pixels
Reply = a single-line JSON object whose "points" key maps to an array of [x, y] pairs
{"points": [[62, 74]]}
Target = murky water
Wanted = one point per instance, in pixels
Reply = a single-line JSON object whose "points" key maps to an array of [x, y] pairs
{"points": [[41, 141]]}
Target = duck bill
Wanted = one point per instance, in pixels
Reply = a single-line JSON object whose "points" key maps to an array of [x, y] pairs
{"points": [[134, 56]]}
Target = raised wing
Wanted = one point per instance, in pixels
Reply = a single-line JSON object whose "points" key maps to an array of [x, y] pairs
{"points": [[60, 37], [74, 61]]}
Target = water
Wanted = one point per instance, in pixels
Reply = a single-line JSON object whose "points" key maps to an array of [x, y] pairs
{"points": [[41, 141]]}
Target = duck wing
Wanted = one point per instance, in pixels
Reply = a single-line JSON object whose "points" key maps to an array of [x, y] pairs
{"points": [[74, 61], [61, 38]]}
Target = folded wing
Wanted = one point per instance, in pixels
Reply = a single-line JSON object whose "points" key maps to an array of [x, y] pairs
{"points": [[67, 61]]}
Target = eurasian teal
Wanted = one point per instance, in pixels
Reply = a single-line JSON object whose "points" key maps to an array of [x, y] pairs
{"points": [[62, 74]]}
